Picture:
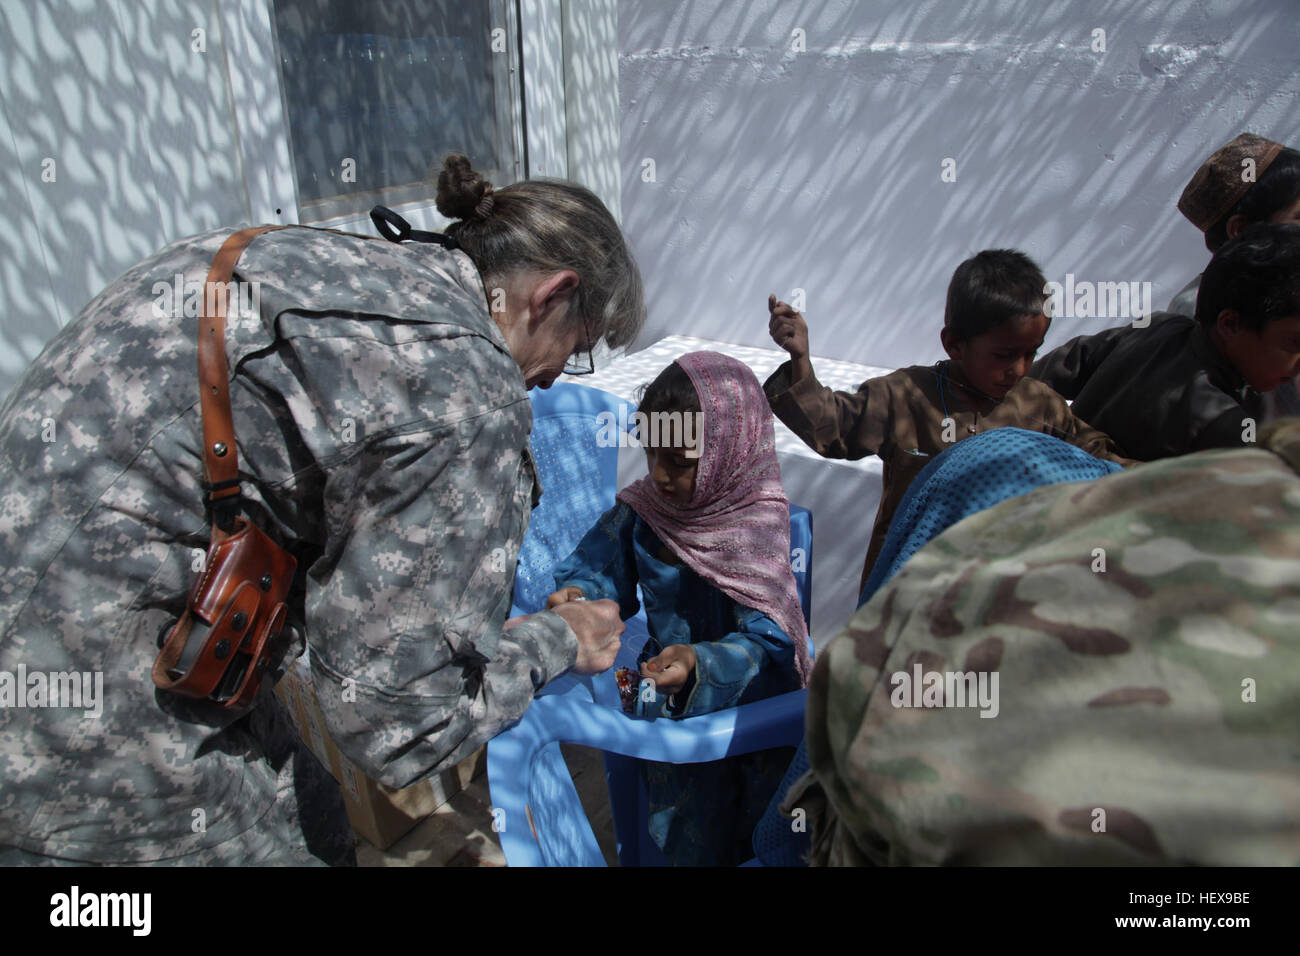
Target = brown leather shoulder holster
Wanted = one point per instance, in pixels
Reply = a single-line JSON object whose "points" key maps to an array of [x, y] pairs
{"points": [[227, 637]]}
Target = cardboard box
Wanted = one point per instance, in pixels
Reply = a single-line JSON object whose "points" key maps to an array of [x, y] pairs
{"points": [[380, 814]]}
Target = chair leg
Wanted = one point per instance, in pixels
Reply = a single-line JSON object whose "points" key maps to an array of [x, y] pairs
{"points": [[563, 830], [622, 777]]}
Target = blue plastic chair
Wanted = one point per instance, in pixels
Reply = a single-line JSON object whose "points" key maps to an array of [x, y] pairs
{"points": [[543, 822], [530, 782], [627, 796], [578, 471]]}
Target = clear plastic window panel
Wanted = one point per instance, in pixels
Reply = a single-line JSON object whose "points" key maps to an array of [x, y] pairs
{"points": [[376, 93]]}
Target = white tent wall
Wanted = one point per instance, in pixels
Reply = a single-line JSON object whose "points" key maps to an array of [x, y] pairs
{"points": [[795, 146], [129, 124], [115, 138], [803, 145]]}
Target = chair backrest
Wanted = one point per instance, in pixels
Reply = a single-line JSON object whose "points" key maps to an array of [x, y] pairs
{"points": [[801, 553], [575, 441]]}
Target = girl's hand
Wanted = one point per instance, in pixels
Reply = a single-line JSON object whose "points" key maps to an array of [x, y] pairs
{"points": [[787, 328], [671, 668], [564, 596]]}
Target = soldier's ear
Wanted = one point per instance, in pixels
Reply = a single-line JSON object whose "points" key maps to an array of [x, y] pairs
{"points": [[550, 297]]}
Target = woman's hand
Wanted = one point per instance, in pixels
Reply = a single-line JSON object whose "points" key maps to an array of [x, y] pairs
{"points": [[790, 331], [671, 668], [597, 627], [564, 596], [596, 624]]}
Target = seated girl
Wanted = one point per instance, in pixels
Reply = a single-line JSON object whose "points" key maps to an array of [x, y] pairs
{"points": [[706, 535]]}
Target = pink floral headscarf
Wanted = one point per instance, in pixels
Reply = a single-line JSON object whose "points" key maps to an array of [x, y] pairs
{"points": [[735, 533]]}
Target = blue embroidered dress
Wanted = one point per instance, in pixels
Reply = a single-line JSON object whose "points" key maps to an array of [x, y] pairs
{"points": [[700, 814]]}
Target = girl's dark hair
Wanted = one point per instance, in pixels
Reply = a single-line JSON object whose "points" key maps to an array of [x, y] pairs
{"points": [[546, 225], [1256, 274], [1277, 187], [671, 391], [992, 287]]}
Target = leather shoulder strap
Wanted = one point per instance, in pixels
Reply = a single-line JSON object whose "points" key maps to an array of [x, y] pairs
{"points": [[220, 458]]}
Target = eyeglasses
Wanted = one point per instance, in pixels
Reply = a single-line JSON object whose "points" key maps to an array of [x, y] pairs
{"points": [[577, 365]]}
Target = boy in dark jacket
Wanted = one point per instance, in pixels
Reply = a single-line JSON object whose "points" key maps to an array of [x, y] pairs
{"points": [[1179, 384]]}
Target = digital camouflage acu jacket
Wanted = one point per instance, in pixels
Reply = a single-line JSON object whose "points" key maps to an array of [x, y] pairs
{"points": [[383, 437]]}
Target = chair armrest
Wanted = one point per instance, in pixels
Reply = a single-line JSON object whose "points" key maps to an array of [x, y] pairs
{"points": [[524, 766]]}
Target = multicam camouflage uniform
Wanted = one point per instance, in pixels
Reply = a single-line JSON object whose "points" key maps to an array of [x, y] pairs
{"points": [[1163, 690], [383, 434]]}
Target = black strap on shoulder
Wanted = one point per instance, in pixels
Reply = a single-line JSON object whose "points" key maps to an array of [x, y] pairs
{"points": [[223, 511], [396, 229]]}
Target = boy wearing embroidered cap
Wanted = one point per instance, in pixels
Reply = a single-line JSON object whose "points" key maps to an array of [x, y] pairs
{"points": [[1251, 179]]}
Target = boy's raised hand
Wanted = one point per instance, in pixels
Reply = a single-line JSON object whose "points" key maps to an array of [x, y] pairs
{"points": [[787, 328], [790, 331], [671, 668]]}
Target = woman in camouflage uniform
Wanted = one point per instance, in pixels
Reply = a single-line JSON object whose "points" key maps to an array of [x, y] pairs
{"points": [[380, 400]]}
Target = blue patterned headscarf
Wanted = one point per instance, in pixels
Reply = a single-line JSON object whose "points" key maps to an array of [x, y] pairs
{"points": [[973, 475]]}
